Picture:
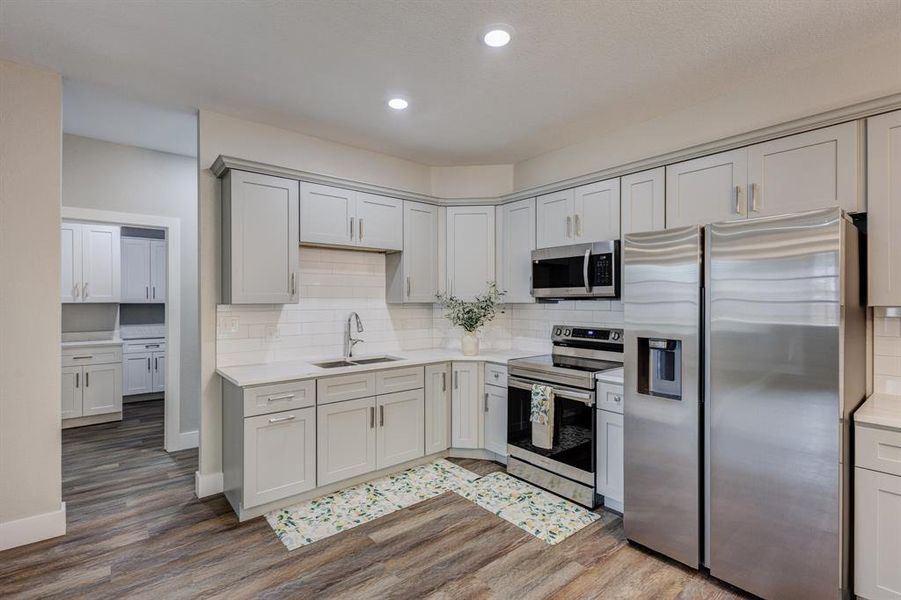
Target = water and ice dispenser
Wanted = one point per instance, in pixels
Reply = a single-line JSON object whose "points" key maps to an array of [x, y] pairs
{"points": [[660, 367]]}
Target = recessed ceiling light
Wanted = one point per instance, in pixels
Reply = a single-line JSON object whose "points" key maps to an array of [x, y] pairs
{"points": [[497, 36], [398, 103]]}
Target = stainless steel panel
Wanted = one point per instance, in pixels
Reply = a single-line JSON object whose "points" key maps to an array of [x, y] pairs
{"points": [[774, 401], [599, 291], [578, 492], [662, 298]]}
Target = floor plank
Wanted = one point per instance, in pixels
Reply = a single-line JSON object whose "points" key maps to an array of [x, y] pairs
{"points": [[135, 529]]}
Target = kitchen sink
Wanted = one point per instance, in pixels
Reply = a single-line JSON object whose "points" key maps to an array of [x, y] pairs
{"points": [[353, 362]]}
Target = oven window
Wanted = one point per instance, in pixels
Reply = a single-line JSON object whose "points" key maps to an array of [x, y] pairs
{"points": [[573, 429]]}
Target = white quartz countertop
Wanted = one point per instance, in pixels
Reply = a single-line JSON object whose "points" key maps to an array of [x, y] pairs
{"points": [[274, 372], [92, 338], [611, 375], [881, 410]]}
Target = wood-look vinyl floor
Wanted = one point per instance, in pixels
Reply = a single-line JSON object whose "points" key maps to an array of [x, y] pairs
{"points": [[136, 530]]}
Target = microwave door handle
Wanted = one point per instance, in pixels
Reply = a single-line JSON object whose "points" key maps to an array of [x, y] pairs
{"points": [[585, 270]]}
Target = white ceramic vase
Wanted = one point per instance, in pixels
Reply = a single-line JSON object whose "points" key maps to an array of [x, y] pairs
{"points": [[470, 343]]}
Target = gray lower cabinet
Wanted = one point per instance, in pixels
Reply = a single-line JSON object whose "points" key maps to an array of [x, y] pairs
{"points": [[144, 367], [346, 439], [91, 382], [437, 408]]}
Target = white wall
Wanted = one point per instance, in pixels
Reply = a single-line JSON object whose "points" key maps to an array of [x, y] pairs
{"points": [[868, 73], [30, 132], [107, 176]]}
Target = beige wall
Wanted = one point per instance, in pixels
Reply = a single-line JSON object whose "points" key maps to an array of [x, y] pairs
{"points": [[107, 176], [868, 73], [486, 181], [30, 138]]}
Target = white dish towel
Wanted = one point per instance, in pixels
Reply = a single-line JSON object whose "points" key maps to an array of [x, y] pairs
{"points": [[542, 416]]}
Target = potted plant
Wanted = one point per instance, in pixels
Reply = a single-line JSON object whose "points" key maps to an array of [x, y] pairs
{"points": [[471, 315]]}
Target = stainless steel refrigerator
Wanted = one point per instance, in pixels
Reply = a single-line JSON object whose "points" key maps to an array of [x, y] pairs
{"points": [[745, 354]]}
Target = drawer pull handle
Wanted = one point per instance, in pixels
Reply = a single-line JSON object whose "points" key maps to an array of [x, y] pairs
{"points": [[148, 364], [497, 375], [382, 415], [486, 401], [87, 379], [83, 357], [76, 380], [444, 381], [617, 399], [151, 345], [282, 419], [279, 398], [372, 417]]}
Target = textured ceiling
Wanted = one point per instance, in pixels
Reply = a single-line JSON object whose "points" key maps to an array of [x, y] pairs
{"points": [[574, 68]]}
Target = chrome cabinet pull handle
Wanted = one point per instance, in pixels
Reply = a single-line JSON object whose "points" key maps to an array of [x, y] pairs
{"points": [[83, 357], [372, 417], [154, 292], [752, 196], [76, 381], [569, 224], [382, 415], [360, 228], [148, 364], [75, 295], [486, 401], [293, 283], [351, 228], [408, 286], [282, 419], [87, 379], [456, 383], [585, 270], [84, 290], [444, 381], [738, 199], [279, 398], [156, 364], [578, 225], [151, 345]]}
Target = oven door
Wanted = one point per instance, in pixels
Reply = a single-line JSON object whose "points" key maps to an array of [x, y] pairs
{"points": [[572, 454], [579, 271]]}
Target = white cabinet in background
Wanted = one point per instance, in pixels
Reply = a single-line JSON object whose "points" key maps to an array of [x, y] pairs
{"points": [[495, 408], [260, 257], [71, 392], [143, 270], [279, 455], [91, 263], [582, 215], [877, 534], [339, 217], [137, 373], [437, 408], [91, 382], [610, 466], [400, 436], [707, 190], [412, 274], [159, 372], [884, 209], [515, 242], [470, 250], [643, 201], [467, 412], [102, 391], [346, 439]]}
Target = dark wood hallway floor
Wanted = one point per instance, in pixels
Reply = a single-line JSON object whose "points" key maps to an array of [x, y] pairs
{"points": [[136, 530]]}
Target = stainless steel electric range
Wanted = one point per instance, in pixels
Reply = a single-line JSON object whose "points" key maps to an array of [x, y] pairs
{"points": [[567, 468]]}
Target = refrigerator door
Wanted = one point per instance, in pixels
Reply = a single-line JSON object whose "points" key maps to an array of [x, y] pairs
{"points": [[773, 398], [662, 354]]}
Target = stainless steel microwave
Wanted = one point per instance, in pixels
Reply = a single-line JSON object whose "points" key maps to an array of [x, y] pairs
{"points": [[577, 271]]}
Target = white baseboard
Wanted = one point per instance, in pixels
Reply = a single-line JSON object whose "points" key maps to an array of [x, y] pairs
{"points": [[33, 529], [184, 441], [207, 484]]}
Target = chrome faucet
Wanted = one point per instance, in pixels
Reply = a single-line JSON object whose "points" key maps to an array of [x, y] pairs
{"points": [[349, 340]]}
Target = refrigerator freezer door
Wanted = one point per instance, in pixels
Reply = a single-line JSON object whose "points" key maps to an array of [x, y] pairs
{"points": [[662, 310], [774, 403]]}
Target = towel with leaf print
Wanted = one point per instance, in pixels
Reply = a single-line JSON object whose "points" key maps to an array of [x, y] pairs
{"points": [[542, 416]]}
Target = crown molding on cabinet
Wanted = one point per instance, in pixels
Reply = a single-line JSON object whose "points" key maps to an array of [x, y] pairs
{"points": [[852, 112]]}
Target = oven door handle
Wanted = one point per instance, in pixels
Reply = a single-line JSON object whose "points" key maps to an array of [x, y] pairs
{"points": [[585, 269], [586, 398]]}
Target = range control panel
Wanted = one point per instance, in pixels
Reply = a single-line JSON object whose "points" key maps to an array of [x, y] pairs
{"points": [[577, 333]]}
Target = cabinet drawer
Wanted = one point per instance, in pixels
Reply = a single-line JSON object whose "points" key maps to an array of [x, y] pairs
{"points": [[92, 355], [399, 380], [145, 346], [878, 449], [610, 397], [283, 396], [345, 387], [496, 374]]}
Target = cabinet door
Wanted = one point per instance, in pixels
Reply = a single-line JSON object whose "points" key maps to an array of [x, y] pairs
{"points": [[70, 273], [596, 212], [467, 412], [101, 264], [380, 222], [554, 219], [877, 535], [158, 270], [345, 439], [707, 190], [135, 269], [279, 455], [516, 240], [437, 408], [327, 215], [495, 407], [137, 373], [610, 457], [71, 392], [420, 257], [470, 249], [159, 371], [400, 436], [884, 208], [262, 258], [102, 389], [643, 201], [817, 169]]}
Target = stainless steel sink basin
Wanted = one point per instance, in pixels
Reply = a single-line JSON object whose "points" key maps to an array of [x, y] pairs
{"points": [[353, 362]]}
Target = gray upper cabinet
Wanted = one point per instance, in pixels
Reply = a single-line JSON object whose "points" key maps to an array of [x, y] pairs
{"points": [[412, 275], [582, 215], [259, 239], [643, 201], [143, 270], [884, 208], [331, 216], [470, 250], [515, 242]]}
